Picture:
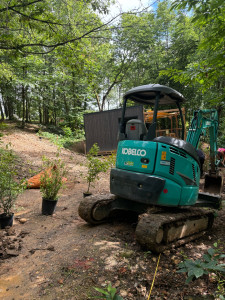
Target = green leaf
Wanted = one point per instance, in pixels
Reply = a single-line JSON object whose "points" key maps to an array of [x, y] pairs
{"points": [[198, 272], [189, 263], [117, 297], [101, 291], [207, 257], [210, 265], [211, 251], [189, 279], [184, 270], [191, 272], [112, 292]]}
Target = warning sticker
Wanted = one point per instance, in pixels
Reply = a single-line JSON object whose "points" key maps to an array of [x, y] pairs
{"points": [[144, 166], [163, 155]]}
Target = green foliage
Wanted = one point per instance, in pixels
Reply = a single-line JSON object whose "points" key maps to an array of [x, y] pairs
{"points": [[207, 65], [2, 127], [63, 141], [111, 160], [95, 165], [220, 293], [108, 294], [55, 65], [67, 131], [9, 186], [52, 178], [209, 263]]}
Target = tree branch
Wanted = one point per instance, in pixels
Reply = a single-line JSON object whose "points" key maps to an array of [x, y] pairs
{"points": [[21, 5], [115, 81], [34, 19], [53, 46]]}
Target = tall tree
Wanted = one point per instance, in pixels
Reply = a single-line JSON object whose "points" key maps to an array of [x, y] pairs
{"points": [[208, 67]]}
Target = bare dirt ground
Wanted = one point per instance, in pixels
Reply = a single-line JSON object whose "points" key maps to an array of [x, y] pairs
{"points": [[62, 257]]}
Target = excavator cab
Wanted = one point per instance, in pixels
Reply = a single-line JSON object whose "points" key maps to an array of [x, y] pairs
{"points": [[153, 95]]}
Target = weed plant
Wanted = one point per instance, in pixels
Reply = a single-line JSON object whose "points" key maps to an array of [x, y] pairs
{"points": [[209, 264], [108, 294]]}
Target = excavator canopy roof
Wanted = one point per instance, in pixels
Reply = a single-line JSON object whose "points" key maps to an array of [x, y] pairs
{"points": [[146, 94]]}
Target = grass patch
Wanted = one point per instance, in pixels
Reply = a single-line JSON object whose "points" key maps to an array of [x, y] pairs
{"points": [[62, 141]]}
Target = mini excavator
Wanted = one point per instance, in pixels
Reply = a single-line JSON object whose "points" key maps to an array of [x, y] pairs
{"points": [[158, 177]]}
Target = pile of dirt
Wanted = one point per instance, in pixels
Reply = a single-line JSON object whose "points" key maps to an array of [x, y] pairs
{"points": [[10, 242]]}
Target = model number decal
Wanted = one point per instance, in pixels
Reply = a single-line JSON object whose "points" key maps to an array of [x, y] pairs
{"points": [[129, 163], [135, 152], [165, 162]]}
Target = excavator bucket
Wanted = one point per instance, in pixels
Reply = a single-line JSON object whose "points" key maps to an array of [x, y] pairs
{"points": [[211, 194], [213, 184]]}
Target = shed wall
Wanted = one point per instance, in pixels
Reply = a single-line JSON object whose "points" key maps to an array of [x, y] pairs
{"points": [[102, 127]]}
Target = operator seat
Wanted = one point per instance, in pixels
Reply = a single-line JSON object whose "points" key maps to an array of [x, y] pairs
{"points": [[185, 146], [135, 130]]}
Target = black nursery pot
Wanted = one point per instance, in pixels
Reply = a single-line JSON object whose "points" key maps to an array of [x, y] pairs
{"points": [[48, 206], [6, 220]]}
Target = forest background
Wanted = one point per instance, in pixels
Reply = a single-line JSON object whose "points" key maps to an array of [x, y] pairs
{"points": [[60, 59]]}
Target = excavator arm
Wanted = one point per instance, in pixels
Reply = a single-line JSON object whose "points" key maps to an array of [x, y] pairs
{"points": [[203, 120]]}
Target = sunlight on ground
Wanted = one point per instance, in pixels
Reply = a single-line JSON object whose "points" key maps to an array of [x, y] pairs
{"points": [[107, 245], [8, 282]]}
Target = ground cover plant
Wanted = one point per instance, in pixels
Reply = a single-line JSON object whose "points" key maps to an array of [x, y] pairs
{"points": [[210, 264], [63, 140]]}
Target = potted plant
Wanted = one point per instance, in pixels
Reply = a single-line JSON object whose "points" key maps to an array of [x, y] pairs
{"points": [[52, 180], [9, 186], [95, 166]]}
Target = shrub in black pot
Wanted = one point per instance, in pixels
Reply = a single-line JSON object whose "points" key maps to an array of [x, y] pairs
{"points": [[9, 187], [51, 181]]}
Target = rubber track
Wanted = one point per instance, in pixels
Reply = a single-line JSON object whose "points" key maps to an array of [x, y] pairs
{"points": [[149, 224]]}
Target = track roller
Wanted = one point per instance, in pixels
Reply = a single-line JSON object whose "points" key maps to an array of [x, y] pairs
{"points": [[95, 209]]}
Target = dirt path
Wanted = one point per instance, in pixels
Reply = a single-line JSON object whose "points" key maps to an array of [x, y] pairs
{"points": [[61, 257]]}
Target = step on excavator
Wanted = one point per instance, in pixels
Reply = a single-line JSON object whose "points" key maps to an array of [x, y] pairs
{"points": [[158, 177]]}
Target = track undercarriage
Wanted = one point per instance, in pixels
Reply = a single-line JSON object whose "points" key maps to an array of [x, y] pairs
{"points": [[158, 229]]}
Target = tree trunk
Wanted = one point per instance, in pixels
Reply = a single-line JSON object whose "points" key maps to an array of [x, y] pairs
{"points": [[27, 106], [23, 105], [54, 108], [40, 113], [45, 115], [2, 112], [66, 108], [9, 102], [6, 109]]}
